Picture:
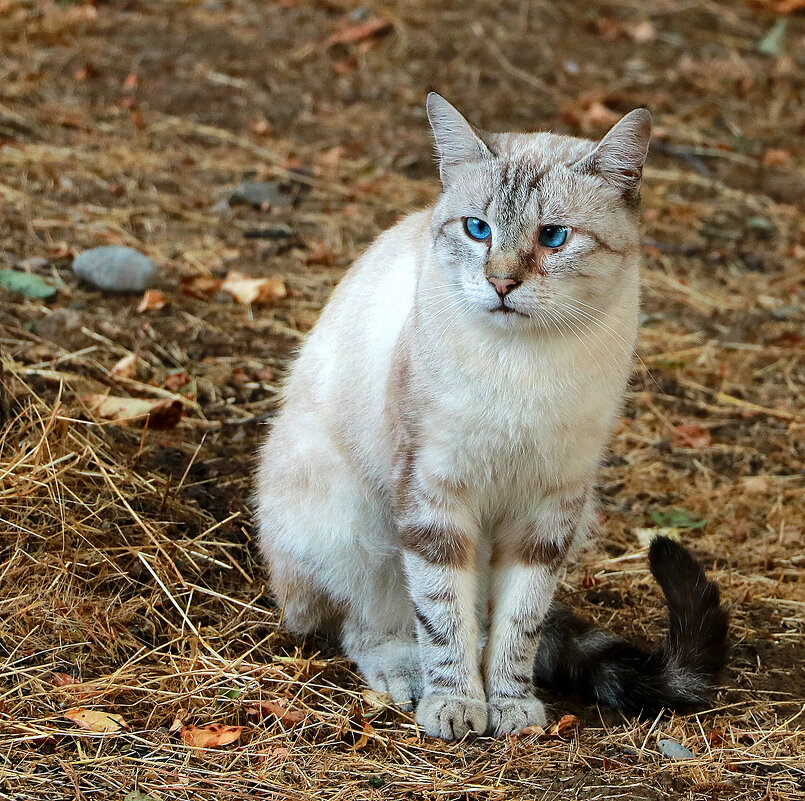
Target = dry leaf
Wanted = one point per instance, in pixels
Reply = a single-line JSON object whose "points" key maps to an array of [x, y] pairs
{"points": [[364, 738], [253, 290], [63, 679], [642, 32], [376, 700], [691, 435], [201, 287], [212, 736], [777, 157], [176, 381], [320, 253], [153, 300], [260, 126], [92, 720], [755, 484], [538, 730], [590, 114], [287, 717], [332, 156], [565, 726], [126, 367], [160, 414], [359, 31], [177, 721], [273, 755]]}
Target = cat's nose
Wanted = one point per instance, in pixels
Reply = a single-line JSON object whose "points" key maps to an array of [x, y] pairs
{"points": [[503, 285]]}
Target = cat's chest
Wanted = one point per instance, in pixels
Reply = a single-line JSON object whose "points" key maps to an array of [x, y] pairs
{"points": [[515, 432]]}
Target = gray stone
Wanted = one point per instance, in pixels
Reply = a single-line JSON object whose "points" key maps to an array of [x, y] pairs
{"points": [[262, 193], [115, 268], [674, 750]]}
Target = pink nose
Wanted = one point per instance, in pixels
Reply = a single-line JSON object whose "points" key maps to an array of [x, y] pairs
{"points": [[503, 285]]}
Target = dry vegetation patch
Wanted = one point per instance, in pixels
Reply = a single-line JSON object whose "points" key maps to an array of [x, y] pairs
{"points": [[137, 648]]}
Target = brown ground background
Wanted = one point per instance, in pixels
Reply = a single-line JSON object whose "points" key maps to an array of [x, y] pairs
{"points": [[129, 583]]}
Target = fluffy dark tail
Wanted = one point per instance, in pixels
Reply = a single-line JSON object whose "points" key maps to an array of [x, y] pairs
{"points": [[577, 658]]}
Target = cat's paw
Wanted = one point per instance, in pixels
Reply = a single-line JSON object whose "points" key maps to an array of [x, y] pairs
{"points": [[512, 715], [451, 717], [393, 667], [404, 687]]}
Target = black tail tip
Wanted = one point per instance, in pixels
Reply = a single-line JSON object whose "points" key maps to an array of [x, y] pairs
{"points": [[698, 624], [673, 565]]}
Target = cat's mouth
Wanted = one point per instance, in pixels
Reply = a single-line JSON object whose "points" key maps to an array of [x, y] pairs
{"points": [[504, 309]]}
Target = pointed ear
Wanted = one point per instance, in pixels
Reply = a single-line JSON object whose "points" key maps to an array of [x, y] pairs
{"points": [[621, 154], [456, 140]]}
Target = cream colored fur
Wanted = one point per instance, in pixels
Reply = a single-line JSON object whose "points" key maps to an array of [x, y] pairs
{"points": [[434, 459]]}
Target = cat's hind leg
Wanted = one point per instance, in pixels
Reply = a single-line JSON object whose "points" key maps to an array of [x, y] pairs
{"points": [[388, 659], [333, 558]]}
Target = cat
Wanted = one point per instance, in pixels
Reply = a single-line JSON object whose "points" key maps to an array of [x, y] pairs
{"points": [[434, 461]]}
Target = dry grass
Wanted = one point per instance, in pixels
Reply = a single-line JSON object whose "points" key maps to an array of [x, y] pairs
{"points": [[129, 583]]}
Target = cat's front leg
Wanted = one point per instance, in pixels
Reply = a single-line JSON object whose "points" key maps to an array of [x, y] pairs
{"points": [[529, 555], [439, 556]]}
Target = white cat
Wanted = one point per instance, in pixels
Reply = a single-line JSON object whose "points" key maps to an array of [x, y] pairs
{"points": [[436, 453]]}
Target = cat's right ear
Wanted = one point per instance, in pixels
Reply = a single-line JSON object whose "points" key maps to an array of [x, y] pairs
{"points": [[457, 142]]}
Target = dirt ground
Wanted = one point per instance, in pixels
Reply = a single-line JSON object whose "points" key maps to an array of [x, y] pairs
{"points": [[129, 581]]}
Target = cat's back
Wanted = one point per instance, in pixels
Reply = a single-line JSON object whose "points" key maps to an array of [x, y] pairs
{"points": [[342, 368]]}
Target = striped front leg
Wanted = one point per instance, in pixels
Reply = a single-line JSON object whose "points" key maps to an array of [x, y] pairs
{"points": [[439, 556], [523, 585]]}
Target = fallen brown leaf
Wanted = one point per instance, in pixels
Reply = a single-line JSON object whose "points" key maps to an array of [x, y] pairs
{"points": [[367, 732], [538, 730], [212, 736], [153, 300], [126, 367], [273, 755], [642, 32], [565, 726], [359, 31], [691, 435], [176, 381], [63, 679], [92, 720], [320, 253], [160, 414], [777, 157], [201, 287], [287, 717], [755, 484], [253, 290]]}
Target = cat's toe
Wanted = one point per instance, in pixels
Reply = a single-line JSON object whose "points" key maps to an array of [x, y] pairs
{"points": [[451, 717], [512, 715], [405, 689]]}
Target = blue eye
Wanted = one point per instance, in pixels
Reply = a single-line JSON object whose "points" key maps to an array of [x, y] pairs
{"points": [[553, 236], [477, 229]]}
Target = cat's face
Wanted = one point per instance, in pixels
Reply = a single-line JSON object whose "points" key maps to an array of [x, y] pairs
{"points": [[535, 229]]}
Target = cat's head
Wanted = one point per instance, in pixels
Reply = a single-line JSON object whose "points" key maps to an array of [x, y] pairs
{"points": [[536, 229]]}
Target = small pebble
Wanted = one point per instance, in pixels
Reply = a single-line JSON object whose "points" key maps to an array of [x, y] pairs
{"points": [[115, 268], [259, 193], [674, 750]]}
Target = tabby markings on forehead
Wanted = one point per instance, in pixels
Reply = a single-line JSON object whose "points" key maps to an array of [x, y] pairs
{"points": [[519, 180]]}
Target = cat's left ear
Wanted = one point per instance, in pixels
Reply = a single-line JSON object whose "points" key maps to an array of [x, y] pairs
{"points": [[457, 142], [621, 154]]}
